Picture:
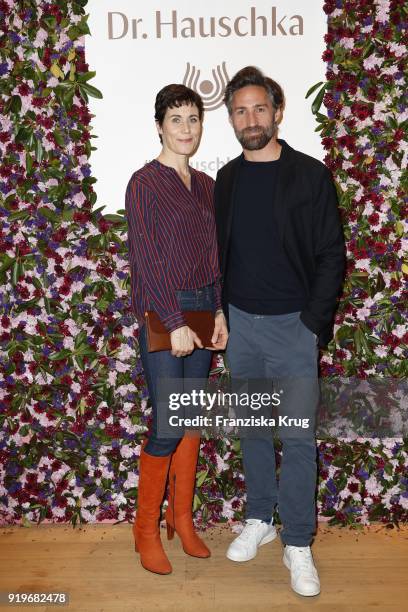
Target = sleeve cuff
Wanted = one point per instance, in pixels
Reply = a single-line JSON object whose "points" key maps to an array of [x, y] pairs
{"points": [[174, 321], [217, 297]]}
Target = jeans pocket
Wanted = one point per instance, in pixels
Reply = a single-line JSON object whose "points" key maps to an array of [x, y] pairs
{"points": [[309, 331]]}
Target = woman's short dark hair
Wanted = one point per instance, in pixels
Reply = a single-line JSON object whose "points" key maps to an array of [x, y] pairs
{"points": [[250, 75], [176, 95]]}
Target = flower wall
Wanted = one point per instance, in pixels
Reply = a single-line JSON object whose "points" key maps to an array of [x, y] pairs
{"points": [[73, 397]]}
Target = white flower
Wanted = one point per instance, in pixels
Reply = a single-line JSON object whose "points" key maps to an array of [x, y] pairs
{"points": [[132, 481], [89, 517], [122, 367], [68, 343], [363, 264], [363, 313], [227, 509], [404, 502], [60, 512], [373, 487], [347, 43], [390, 70], [79, 198], [398, 50], [52, 82], [41, 36], [381, 351], [112, 377], [399, 330], [372, 61], [127, 451], [92, 500]]}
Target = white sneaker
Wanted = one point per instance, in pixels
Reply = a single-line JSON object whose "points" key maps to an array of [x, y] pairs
{"points": [[254, 534], [303, 574]]}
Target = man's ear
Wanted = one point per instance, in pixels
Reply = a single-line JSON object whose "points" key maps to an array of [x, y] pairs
{"points": [[279, 115]]}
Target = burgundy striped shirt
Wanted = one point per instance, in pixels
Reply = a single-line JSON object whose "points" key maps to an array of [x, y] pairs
{"points": [[171, 238]]}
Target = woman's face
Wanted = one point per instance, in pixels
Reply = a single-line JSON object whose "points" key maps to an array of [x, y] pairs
{"points": [[181, 129]]}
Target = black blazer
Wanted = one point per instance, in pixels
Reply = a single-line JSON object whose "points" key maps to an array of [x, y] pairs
{"points": [[309, 227]]}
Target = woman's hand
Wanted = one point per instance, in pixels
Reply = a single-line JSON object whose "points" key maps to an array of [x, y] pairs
{"points": [[220, 336], [183, 340]]}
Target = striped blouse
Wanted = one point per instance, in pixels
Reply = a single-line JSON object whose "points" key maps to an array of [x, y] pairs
{"points": [[171, 239]]}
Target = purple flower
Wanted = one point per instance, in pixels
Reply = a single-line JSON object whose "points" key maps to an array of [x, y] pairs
{"points": [[12, 469], [363, 474], [14, 37], [3, 68], [331, 486]]}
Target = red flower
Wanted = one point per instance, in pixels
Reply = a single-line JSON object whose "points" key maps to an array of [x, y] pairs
{"points": [[104, 269], [66, 380], [329, 6], [362, 111], [65, 289], [114, 343], [40, 102], [380, 248], [374, 218], [91, 400], [23, 291], [104, 226], [5, 321], [399, 134], [59, 235], [82, 217], [105, 412], [24, 89], [78, 427], [328, 55]]}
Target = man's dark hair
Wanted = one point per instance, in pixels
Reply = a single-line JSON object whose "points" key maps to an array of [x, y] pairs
{"points": [[176, 95], [250, 75]]}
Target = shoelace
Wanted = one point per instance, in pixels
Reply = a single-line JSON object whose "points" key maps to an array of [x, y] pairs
{"points": [[248, 530], [303, 560]]}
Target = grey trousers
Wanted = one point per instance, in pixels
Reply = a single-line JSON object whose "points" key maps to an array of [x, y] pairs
{"points": [[282, 349]]}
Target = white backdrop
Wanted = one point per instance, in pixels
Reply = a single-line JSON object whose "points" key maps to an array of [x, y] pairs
{"points": [[138, 47]]}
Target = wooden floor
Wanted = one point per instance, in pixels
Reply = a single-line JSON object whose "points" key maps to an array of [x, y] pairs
{"points": [[99, 569]]}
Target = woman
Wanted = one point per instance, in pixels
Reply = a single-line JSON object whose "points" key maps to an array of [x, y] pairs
{"points": [[174, 268]]}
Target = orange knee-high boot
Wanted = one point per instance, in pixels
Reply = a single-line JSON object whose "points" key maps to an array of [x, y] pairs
{"points": [[182, 477], [152, 483]]}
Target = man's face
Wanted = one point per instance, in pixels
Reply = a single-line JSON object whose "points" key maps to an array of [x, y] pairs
{"points": [[253, 117]]}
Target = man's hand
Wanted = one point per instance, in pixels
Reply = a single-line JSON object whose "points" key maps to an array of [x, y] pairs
{"points": [[220, 336], [183, 340]]}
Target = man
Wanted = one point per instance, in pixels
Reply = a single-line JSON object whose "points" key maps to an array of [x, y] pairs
{"points": [[282, 259]]}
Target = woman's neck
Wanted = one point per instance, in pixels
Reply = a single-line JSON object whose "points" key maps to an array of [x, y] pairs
{"points": [[178, 162]]}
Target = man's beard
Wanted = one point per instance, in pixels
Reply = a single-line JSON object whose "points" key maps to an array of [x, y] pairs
{"points": [[255, 138]]}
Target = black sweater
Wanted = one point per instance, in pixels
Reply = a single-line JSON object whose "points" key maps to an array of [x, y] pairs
{"points": [[308, 227], [259, 278]]}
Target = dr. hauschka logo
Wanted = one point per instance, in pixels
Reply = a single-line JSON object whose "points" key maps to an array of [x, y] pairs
{"points": [[175, 24], [211, 92]]}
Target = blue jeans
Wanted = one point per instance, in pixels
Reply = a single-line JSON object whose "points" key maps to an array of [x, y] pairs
{"points": [[274, 347], [162, 364]]}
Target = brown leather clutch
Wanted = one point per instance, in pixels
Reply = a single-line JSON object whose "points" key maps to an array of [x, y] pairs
{"points": [[158, 338]]}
